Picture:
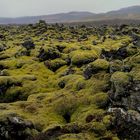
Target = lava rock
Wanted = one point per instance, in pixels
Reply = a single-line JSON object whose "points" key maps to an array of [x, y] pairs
{"points": [[88, 72], [49, 53], [95, 67], [120, 85], [115, 65], [14, 127], [2, 37], [69, 71], [121, 54], [126, 123], [3, 47], [136, 39], [28, 44], [125, 91]]}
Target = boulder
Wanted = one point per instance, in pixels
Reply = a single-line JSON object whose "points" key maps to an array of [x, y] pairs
{"points": [[120, 85], [48, 53], [95, 67], [13, 127], [126, 123], [125, 91], [55, 64], [28, 44], [120, 54]]}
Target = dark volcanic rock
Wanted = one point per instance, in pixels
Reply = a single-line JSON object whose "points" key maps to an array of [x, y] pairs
{"points": [[56, 131], [61, 84], [23, 53], [3, 47], [121, 53], [126, 123], [28, 44], [136, 39], [13, 127], [95, 67], [2, 37], [69, 71], [125, 92], [60, 47], [55, 64], [49, 53], [115, 65], [88, 72]]}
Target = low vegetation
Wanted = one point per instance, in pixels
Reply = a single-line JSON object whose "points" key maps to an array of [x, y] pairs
{"points": [[61, 82]]}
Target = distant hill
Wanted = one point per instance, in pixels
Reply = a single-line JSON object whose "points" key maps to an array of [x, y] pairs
{"points": [[129, 13], [128, 10], [61, 17]]}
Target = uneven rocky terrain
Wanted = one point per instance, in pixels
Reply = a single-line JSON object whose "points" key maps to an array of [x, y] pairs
{"points": [[69, 82]]}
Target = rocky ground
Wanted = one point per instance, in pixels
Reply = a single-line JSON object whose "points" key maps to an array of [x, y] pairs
{"points": [[69, 82]]}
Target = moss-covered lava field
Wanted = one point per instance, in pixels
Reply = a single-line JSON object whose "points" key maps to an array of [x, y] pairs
{"points": [[61, 82]]}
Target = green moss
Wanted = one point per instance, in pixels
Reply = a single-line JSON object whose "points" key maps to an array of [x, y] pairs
{"points": [[55, 64], [83, 57], [100, 99], [100, 64], [71, 47], [131, 50], [65, 104], [98, 83], [72, 82], [81, 114], [116, 65], [110, 44], [9, 80], [55, 92], [107, 120], [13, 94], [119, 81], [98, 128], [135, 73], [120, 77], [79, 84], [115, 138], [81, 136], [12, 87]]}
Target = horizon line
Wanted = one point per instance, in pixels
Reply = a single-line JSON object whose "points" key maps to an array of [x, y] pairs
{"points": [[68, 12]]}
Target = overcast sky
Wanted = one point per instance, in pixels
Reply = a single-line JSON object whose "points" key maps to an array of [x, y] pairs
{"points": [[16, 8]]}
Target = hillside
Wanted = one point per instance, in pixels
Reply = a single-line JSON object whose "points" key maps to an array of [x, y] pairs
{"points": [[61, 17], [129, 13], [69, 83]]}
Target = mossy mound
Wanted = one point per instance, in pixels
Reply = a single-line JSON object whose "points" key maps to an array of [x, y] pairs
{"points": [[82, 57], [100, 64], [47, 53], [55, 64]]}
